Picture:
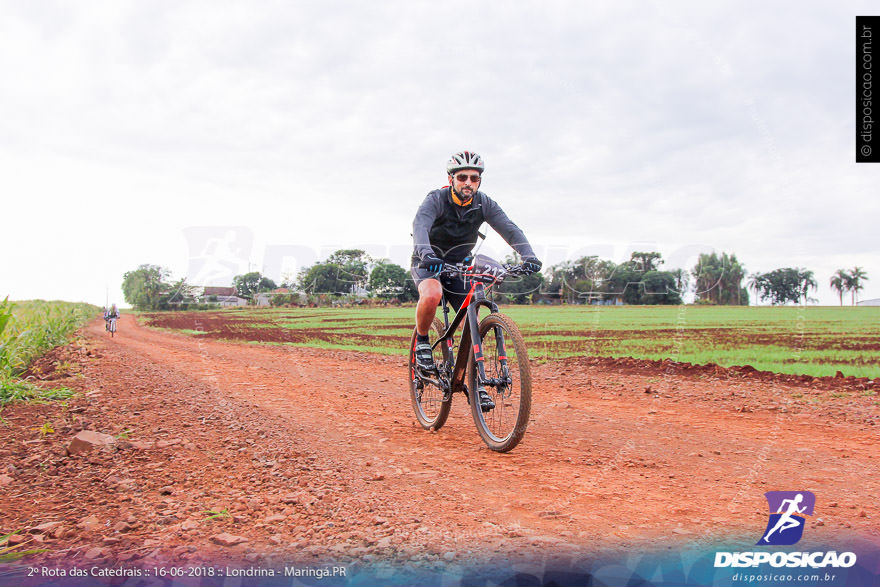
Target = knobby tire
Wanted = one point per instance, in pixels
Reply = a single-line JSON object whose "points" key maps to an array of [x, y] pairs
{"points": [[503, 427], [427, 400]]}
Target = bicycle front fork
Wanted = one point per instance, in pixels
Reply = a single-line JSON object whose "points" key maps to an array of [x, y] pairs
{"points": [[479, 360]]}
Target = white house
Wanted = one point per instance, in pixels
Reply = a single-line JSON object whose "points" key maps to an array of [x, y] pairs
{"points": [[225, 297], [230, 301]]}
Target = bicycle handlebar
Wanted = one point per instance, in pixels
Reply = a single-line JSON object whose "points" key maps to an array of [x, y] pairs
{"points": [[466, 269]]}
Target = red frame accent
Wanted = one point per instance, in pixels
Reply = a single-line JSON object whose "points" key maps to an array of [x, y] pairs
{"points": [[486, 286], [467, 300]]}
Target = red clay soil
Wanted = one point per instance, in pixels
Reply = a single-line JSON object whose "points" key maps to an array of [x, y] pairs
{"points": [[265, 455]]}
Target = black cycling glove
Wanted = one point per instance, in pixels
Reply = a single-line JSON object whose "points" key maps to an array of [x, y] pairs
{"points": [[432, 263], [531, 265]]}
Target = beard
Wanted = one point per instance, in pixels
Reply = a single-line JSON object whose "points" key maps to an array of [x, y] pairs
{"points": [[467, 190], [465, 194]]}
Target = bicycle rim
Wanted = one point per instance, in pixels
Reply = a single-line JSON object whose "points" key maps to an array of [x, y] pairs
{"points": [[503, 427], [427, 400]]}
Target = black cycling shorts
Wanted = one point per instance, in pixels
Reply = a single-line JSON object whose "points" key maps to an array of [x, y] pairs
{"points": [[454, 288]]}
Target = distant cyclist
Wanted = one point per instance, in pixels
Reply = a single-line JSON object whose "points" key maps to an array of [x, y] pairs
{"points": [[111, 314], [445, 230]]}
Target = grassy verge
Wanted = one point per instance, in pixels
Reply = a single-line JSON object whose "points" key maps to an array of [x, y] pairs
{"points": [[28, 330]]}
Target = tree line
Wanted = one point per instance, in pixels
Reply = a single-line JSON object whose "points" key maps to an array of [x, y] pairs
{"points": [[848, 281], [352, 274]]}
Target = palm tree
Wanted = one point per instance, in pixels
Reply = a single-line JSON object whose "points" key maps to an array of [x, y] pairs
{"points": [[808, 282], [855, 282], [754, 283], [840, 283]]}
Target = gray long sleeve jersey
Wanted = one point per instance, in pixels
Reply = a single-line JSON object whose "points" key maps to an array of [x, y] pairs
{"points": [[450, 231]]}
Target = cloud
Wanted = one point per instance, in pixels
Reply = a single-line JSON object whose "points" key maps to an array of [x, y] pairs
{"points": [[682, 124]]}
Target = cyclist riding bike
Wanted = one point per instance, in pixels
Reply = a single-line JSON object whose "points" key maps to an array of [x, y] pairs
{"points": [[112, 313], [445, 230]]}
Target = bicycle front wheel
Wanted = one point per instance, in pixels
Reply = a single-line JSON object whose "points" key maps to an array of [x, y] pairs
{"points": [[427, 399], [507, 369]]}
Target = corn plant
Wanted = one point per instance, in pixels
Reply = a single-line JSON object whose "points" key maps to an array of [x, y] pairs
{"points": [[29, 330]]}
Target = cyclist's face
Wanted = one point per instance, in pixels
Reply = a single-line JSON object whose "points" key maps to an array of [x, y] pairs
{"points": [[468, 187]]}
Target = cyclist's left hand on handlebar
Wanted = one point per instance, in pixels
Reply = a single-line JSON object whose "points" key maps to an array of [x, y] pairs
{"points": [[531, 265], [432, 263]]}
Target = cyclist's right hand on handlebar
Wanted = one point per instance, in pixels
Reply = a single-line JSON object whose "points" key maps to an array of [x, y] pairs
{"points": [[432, 263], [531, 265]]}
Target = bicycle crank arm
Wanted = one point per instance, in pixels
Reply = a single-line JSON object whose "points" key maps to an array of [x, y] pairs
{"points": [[438, 383]]}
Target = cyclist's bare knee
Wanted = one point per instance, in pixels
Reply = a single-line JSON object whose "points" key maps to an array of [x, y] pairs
{"points": [[430, 291]]}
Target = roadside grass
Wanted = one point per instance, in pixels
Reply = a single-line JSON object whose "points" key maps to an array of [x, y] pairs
{"points": [[15, 552], [28, 330], [815, 340]]}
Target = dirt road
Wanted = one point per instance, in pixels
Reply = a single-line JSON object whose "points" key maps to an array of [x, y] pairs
{"points": [[264, 454]]}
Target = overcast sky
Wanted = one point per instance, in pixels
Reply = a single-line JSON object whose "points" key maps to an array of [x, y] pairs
{"points": [[214, 137]]}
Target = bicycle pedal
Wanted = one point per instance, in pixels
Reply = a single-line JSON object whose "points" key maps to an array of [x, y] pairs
{"points": [[486, 403]]}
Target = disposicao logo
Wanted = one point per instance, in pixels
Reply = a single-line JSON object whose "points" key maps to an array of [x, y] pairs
{"points": [[785, 526], [787, 517]]}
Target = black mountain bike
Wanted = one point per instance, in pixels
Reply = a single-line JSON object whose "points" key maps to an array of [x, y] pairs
{"points": [[490, 356]]}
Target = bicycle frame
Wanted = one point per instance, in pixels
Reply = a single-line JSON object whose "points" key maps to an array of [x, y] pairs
{"points": [[469, 314]]}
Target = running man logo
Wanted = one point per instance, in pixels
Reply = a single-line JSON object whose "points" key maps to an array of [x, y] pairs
{"points": [[787, 516]]}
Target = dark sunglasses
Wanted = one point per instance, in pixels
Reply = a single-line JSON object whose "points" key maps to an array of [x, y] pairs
{"points": [[463, 178]]}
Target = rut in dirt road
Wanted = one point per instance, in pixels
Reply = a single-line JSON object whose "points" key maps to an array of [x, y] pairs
{"points": [[603, 462]]}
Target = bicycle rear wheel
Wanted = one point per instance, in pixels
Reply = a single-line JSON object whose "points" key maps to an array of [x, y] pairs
{"points": [[427, 400], [507, 362]]}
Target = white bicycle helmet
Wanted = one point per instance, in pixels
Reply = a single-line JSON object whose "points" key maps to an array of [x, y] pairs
{"points": [[465, 160]]}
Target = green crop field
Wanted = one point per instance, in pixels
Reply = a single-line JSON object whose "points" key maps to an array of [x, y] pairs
{"points": [[28, 330], [799, 340]]}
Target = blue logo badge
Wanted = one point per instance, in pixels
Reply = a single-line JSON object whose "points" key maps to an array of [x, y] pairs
{"points": [[787, 516]]}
